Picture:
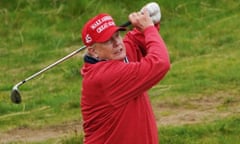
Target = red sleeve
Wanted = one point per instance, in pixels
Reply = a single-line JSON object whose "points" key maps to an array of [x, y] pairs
{"points": [[123, 82], [139, 39]]}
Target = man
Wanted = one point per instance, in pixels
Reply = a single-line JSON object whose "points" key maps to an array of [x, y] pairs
{"points": [[114, 103]]}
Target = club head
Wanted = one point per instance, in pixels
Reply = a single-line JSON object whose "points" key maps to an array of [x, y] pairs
{"points": [[15, 96]]}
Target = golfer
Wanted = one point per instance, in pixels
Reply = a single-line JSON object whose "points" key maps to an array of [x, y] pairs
{"points": [[116, 76]]}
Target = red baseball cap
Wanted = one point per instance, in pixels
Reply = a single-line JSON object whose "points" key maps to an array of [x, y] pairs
{"points": [[99, 29]]}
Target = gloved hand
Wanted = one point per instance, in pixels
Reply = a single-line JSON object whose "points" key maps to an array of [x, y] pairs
{"points": [[154, 11]]}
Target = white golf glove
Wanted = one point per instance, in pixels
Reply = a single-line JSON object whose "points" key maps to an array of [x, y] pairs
{"points": [[154, 11]]}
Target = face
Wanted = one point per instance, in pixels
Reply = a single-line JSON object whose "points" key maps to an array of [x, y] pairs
{"points": [[112, 49]]}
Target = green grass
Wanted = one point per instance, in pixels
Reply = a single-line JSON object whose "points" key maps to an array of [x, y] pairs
{"points": [[203, 39], [219, 132]]}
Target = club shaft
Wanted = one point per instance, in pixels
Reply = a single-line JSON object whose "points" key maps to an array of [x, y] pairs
{"points": [[61, 60], [126, 24], [50, 66]]}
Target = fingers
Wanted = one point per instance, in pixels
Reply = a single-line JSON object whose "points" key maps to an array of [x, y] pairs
{"points": [[138, 15], [135, 15], [145, 12], [134, 18], [140, 20]]}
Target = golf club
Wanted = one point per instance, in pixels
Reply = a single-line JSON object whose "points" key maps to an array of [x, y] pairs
{"points": [[155, 14], [15, 94]]}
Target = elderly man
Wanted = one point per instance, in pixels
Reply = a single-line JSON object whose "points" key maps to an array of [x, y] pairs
{"points": [[116, 76]]}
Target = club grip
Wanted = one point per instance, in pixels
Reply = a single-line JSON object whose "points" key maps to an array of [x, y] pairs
{"points": [[126, 24]]}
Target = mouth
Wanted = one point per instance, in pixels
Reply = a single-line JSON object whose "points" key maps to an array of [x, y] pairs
{"points": [[119, 51]]}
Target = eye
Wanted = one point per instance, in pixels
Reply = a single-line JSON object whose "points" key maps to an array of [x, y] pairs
{"points": [[117, 34], [110, 41]]}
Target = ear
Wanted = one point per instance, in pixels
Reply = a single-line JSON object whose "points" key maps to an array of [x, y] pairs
{"points": [[92, 52]]}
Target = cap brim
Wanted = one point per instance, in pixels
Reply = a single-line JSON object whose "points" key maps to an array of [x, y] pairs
{"points": [[108, 34]]}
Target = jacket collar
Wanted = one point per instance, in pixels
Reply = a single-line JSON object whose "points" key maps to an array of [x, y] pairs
{"points": [[90, 59]]}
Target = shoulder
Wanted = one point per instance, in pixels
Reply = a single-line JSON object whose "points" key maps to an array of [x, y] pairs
{"points": [[111, 70]]}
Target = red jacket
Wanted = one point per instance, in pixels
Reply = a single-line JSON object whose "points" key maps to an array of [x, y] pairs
{"points": [[114, 103]]}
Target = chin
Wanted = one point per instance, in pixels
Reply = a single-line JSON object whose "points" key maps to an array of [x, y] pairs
{"points": [[121, 57]]}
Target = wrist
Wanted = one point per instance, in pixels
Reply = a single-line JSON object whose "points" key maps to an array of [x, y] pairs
{"points": [[148, 28]]}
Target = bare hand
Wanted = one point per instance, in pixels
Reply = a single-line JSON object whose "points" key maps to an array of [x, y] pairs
{"points": [[141, 20]]}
